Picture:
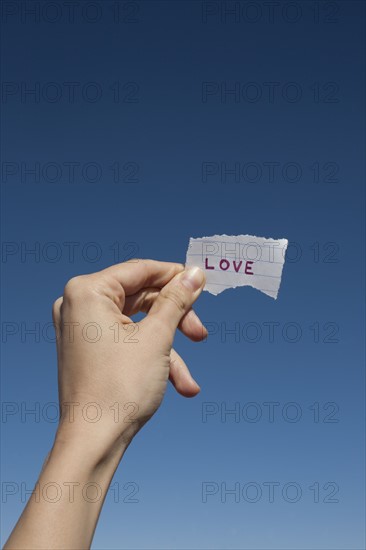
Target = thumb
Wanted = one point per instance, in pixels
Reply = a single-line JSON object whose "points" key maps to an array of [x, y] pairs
{"points": [[176, 298]]}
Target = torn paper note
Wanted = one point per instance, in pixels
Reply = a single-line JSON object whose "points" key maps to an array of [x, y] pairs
{"points": [[239, 260]]}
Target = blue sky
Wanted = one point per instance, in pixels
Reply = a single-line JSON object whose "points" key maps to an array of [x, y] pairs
{"points": [[107, 159]]}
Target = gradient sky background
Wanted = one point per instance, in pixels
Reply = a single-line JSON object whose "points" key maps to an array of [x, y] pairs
{"points": [[160, 127]]}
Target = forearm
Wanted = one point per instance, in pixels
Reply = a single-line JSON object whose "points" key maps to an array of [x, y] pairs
{"points": [[63, 511], [123, 383]]}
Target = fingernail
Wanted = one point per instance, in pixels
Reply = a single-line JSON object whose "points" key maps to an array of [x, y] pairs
{"points": [[192, 278]]}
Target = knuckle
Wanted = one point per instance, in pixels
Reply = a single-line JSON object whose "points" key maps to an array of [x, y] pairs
{"points": [[75, 287], [109, 286]]}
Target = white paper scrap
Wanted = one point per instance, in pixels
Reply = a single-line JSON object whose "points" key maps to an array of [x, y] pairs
{"points": [[230, 261]]}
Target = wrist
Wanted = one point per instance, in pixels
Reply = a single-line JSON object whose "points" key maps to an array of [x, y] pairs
{"points": [[91, 446]]}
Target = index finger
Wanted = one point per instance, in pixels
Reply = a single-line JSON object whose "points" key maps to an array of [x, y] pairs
{"points": [[137, 274]]}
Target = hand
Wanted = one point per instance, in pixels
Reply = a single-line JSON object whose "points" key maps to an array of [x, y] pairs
{"points": [[112, 377], [113, 373]]}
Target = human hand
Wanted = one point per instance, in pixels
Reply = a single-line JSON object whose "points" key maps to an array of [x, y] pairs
{"points": [[113, 373], [112, 378]]}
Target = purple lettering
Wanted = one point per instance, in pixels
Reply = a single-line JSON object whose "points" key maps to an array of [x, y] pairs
{"points": [[208, 266], [237, 267], [248, 267]]}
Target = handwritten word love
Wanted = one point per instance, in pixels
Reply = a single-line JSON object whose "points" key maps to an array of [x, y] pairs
{"points": [[225, 264]]}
